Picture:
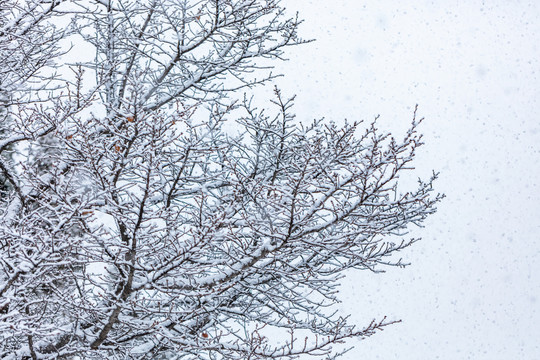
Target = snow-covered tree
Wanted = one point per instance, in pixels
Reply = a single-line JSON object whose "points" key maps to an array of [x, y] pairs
{"points": [[138, 227]]}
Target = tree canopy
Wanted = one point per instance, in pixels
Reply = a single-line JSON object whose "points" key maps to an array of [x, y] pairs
{"points": [[134, 226]]}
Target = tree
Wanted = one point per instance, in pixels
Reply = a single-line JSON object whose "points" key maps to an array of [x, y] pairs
{"points": [[138, 228]]}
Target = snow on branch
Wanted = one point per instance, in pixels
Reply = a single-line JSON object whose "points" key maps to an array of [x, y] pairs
{"points": [[134, 224]]}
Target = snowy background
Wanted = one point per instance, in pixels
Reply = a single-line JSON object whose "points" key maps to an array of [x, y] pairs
{"points": [[473, 289]]}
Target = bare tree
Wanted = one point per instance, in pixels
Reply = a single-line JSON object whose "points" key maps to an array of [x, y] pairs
{"points": [[138, 228]]}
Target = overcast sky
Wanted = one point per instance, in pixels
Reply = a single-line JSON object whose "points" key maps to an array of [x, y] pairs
{"points": [[473, 289]]}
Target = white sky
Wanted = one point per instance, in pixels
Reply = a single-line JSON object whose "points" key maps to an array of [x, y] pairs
{"points": [[473, 289]]}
